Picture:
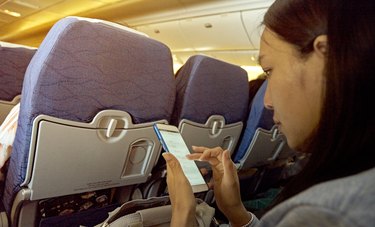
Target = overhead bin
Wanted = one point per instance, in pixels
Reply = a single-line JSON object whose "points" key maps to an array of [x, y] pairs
{"points": [[219, 32], [168, 33], [232, 37], [216, 32]]}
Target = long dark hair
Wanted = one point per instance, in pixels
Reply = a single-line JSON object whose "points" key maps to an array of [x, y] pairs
{"points": [[344, 141]]}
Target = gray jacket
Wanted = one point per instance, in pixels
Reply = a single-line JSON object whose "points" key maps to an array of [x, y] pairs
{"points": [[348, 201]]}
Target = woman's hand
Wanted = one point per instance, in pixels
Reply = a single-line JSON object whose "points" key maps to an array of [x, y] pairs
{"points": [[180, 193], [226, 183]]}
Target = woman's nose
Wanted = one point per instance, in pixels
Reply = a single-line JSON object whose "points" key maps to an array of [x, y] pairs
{"points": [[267, 98]]}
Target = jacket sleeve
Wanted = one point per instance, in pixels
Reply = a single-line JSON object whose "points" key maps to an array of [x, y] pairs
{"points": [[313, 216]]}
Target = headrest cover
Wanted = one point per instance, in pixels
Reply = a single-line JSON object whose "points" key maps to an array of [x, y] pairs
{"points": [[14, 59], [84, 66], [207, 86]]}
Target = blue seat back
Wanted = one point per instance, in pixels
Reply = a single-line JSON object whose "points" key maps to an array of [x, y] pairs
{"points": [[259, 117], [211, 102]]}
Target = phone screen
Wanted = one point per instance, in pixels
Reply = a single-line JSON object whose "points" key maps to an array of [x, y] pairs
{"points": [[174, 143]]}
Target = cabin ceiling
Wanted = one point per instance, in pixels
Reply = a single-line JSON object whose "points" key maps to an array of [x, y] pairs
{"points": [[224, 29]]}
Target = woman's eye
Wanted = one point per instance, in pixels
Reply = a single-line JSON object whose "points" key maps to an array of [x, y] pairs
{"points": [[267, 73]]}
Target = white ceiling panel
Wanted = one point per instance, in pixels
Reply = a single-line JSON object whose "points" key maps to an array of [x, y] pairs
{"points": [[6, 18], [21, 9], [13, 10], [72, 7], [37, 4], [252, 20]]}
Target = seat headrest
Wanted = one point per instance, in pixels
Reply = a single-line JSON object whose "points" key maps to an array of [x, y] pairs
{"points": [[87, 65], [14, 59], [207, 86]]}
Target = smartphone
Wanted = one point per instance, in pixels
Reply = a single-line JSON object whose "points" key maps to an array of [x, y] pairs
{"points": [[172, 142]]}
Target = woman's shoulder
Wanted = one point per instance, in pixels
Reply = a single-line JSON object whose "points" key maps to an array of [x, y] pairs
{"points": [[349, 201]]}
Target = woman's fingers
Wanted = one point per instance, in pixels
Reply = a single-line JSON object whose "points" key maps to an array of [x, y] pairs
{"points": [[173, 167], [228, 167], [199, 149], [175, 174], [194, 156], [180, 192], [211, 155]]}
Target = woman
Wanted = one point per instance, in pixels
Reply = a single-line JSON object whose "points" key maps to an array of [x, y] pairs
{"points": [[318, 56]]}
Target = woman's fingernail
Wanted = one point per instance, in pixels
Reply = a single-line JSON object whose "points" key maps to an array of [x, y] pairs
{"points": [[227, 155], [166, 156]]}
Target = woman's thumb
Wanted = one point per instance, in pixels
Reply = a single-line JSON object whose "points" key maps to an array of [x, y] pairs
{"points": [[171, 160]]}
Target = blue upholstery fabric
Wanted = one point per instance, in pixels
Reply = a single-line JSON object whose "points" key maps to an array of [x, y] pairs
{"points": [[83, 67], [259, 117], [14, 60], [207, 86]]}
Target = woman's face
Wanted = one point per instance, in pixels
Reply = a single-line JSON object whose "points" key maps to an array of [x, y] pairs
{"points": [[295, 86]]}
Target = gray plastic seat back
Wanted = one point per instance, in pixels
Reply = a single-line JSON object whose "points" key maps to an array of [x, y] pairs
{"points": [[265, 148]]}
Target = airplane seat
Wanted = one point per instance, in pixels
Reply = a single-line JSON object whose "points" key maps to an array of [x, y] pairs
{"points": [[259, 117], [261, 143], [261, 147], [90, 97], [211, 106], [14, 59], [211, 102]]}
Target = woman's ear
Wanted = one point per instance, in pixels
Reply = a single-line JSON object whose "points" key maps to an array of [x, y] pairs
{"points": [[321, 45]]}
